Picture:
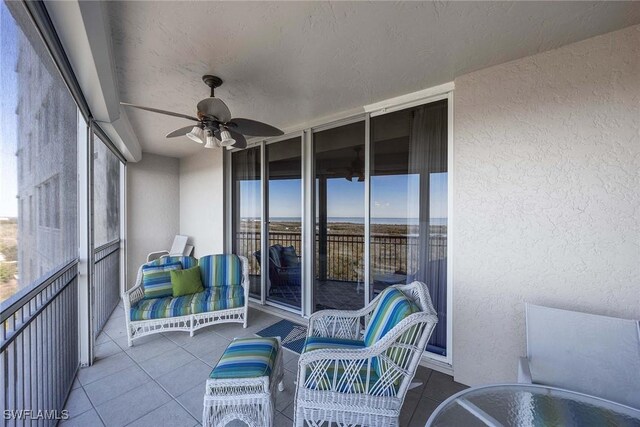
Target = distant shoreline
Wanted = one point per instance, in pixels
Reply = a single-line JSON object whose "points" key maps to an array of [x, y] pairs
{"points": [[358, 220]]}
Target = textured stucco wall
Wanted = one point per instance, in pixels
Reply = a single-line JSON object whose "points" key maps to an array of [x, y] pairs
{"points": [[153, 212], [546, 195], [201, 201]]}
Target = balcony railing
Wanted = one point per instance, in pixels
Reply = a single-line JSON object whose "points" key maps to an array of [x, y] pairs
{"points": [[39, 349], [345, 252], [106, 283]]}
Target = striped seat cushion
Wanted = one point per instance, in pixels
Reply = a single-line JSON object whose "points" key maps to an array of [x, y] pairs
{"points": [[322, 343], [344, 383], [218, 298], [161, 308], [185, 261], [247, 358], [156, 279], [220, 270]]}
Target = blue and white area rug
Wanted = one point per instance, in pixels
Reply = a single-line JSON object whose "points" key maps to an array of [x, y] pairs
{"points": [[292, 334]]}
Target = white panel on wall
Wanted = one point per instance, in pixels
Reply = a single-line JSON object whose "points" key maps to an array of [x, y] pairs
{"points": [[546, 195], [201, 201], [153, 213]]}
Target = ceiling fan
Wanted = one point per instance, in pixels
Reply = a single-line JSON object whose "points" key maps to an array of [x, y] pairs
{"points": [[214, 126], [354, 170]]}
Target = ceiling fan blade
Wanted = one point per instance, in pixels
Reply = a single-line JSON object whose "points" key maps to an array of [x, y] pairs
{"points": [[254, 128], [241, 142], [180, 132], [155, 110], [216, 108]]}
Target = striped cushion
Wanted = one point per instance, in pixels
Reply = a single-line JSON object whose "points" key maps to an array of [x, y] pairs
{"points": [[348, 384], [392, 308], [160, 308], [220, 270], [218, 298], [185, 261], [156, 280], [247, 358]]}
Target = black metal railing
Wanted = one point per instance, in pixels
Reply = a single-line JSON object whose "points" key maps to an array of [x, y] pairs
{"points": [[106, 283], [39, 349], [345, 252]]}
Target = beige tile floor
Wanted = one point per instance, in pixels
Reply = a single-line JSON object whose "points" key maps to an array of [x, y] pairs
{"points": [[160, 380]]}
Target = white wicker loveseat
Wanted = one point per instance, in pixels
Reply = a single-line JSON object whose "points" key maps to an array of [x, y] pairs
{"points": [[356, 366], [225, 298]]}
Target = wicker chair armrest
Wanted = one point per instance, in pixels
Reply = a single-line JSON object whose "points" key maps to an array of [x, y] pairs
{"points": [[132, 296]]}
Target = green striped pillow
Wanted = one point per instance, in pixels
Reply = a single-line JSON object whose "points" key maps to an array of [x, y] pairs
{"points": [[156, 280], [220, 270]]}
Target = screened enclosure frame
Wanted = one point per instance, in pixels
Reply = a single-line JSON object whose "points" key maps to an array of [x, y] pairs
{"points": [[306, 132]]}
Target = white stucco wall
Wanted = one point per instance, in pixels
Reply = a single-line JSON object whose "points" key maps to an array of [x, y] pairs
{"points": [[546, 195], [153, 213], [201, 201]]}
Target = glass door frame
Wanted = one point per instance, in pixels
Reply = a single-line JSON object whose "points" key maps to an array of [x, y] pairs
{"points": [[391, 106], [264, 227], [306, 132], [310, 212]]}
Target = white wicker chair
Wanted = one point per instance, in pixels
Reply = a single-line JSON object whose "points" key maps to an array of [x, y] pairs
{"points": [[367, 403], [190, 322]]}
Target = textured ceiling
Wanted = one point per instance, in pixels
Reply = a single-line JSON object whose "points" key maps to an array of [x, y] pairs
{"points": [[286, 63]]}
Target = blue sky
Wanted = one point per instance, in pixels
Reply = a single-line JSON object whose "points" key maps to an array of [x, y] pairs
{"points": [[8, 82], [390, 196]]}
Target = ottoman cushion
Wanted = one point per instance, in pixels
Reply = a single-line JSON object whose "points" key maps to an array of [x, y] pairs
{"points": [[247, 358]]}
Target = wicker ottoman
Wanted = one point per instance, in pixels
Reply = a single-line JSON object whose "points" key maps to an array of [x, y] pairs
{"points": [[242, 384]]}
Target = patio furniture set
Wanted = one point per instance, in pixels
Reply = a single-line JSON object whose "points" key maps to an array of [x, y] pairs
{"points": [[355, 368]]}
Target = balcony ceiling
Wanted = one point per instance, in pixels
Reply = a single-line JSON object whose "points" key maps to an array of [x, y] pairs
{"points": [[287, 63]]}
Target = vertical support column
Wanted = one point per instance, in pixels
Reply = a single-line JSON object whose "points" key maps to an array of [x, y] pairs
{"points": [[367, 209], [227, 196], [264, 227], [308, 224], [123, 229], [85, 242]]}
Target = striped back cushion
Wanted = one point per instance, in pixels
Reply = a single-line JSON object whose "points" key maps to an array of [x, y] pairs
{"points": [[392, 308], [220, 270], [156, 279], [185, 261], [247, 358]]}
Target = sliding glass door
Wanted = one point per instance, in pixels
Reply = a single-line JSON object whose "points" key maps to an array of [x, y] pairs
{"points": [[376, 186], [408, 239], [284, 215], [339, 217]]}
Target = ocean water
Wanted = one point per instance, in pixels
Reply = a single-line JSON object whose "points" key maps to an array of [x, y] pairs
{"points": [[360, 220]]}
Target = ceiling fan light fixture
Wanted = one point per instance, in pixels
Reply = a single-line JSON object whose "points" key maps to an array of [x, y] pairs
{"points": [[226, 139], [197, 135], [212, 142]]}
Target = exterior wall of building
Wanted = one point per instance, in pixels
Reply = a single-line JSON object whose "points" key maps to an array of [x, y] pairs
{"points": [[153, 208], [47, 166], [546, 200], [201, 201]]}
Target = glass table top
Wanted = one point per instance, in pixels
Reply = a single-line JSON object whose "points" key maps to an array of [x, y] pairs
{"points": [[526, 405]]}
